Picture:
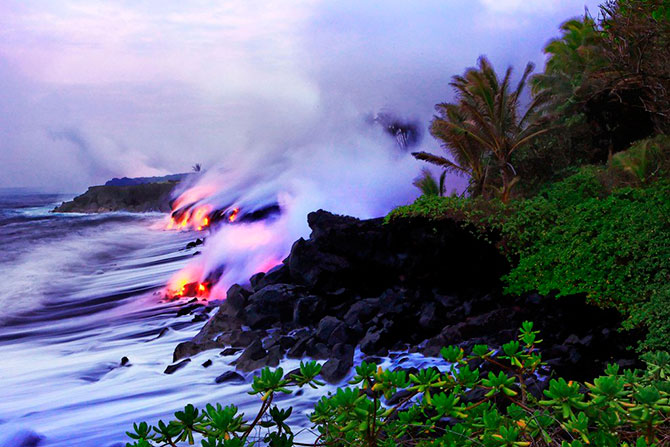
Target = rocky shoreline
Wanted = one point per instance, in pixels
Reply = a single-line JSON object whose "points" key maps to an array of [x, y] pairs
{"points": [[407, 285], [139, 198]]}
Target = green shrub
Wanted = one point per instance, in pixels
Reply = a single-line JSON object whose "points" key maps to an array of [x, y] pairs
{"points": [[482, 214], [644, 161], [459, 407], [613, 248]]}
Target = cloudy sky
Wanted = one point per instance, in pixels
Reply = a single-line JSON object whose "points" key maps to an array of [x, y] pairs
{"points": [[91, 89]]}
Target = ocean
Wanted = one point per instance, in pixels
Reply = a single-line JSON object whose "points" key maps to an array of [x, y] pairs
{"points": [[79, 293]]}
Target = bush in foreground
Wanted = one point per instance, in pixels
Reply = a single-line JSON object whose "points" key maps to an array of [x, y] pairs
{"points": [[486, 398]]}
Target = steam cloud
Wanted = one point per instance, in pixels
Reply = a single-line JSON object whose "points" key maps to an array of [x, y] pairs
{"points": [[353, 166]]}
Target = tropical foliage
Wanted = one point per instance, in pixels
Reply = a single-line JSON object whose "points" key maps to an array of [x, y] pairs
{"points": [[429, 185], [483, 129], [461, 406], [613, 248]]}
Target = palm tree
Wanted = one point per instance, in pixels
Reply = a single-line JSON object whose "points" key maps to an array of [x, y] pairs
{"points": [[430, 186], [573, 59], [486, 126], [468, 157]]}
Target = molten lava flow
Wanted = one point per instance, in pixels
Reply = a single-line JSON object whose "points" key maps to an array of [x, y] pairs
{"points": [[196, 219], [200, 217], [233, 215], [186, 283]]}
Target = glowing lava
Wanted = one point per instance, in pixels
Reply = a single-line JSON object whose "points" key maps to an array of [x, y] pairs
{"points": [[186, 283], [233, 215], [195, 219]]}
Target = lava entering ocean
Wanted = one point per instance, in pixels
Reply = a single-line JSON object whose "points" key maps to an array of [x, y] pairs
{"points": [[199, 218], [254, 203]]}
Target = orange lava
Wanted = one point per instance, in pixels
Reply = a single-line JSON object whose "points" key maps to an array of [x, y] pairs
{"points": [[197, 219], [233, 215], [186, 283]]}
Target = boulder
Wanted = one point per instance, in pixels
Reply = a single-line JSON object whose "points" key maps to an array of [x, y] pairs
{"points": [[308, 309], [177, 366], [339, 364], [315, 269], [326, 327], [271, 304], [362, 311], [374, 342], [236, 299], [256, 357], [229, 377]]}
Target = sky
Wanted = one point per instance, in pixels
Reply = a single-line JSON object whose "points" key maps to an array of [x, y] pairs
{"points": [[91, 90]]}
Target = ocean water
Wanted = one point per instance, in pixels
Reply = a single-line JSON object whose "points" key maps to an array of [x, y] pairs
{"points": [[78, 293]]}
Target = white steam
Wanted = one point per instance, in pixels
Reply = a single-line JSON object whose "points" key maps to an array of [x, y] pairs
{"points": [[352, 168]]}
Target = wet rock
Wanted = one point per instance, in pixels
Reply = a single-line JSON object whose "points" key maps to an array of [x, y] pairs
{"points": [[188, 309], [236, 299], [298, 350], [176, 366], [199, 317], [185, 349], [194, 243], [207, 363], [277, 275], [374, 343], [341, 334], [256, 357], [240, 338], [316, 269], [339, 364], [287, 342], [125, 361], [220, 322], [317, 350], [252, 357], [229, 377], [230, 351]]}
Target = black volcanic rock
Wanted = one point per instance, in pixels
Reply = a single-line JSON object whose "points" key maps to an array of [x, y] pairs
{"points": [[229, 377], [177, 366], [270, 304], [408, 283], [338, 365]]}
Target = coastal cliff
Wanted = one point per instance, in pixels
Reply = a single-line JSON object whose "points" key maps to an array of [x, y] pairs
{"points": [[139, 198]]}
